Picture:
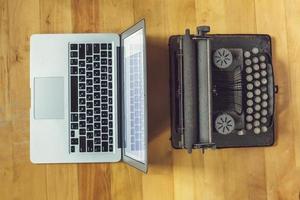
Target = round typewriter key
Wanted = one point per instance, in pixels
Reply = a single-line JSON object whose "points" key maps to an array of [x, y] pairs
{"points": [[263, 65], [255, 60], [249, 78], [249, 102], [256, 123], [256, 131], [257, 107], [263, 120], [256, 67], [257, 83], [241, 132], [264, 129], [249, 95], [257, 91], [264, 112], [264, 104], [256, 75], [247, 54], [248, 126], [257, 99], [262, 58], [255, 50], [263, 72], [224, 124], [264, 81], [249, 86], [248, 70], [257, 116], [264, 96], [249, 118], [248, 62], [249, 110]]}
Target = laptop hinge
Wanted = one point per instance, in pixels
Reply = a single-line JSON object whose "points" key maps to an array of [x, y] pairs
{"points": [[120, 97]]}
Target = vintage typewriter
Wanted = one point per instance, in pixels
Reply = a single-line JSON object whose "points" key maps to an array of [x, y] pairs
{"points": [[222, 90]]}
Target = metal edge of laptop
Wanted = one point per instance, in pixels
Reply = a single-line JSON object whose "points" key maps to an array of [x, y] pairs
{"points": [[131, 161]]}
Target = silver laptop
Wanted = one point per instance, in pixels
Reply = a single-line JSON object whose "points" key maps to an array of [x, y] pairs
{"points": [[89, 97]]}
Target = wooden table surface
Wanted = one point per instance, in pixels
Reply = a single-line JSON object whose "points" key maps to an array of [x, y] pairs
{"points": [[246, 173]]}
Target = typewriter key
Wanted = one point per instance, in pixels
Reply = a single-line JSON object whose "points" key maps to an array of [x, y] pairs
{"points": [[263, 88], [257, 116], [264, 112], [264, 81], [257, 91], [264, 96], [255, 60], [248, 70], [255, 50], [249, 102], [256, 123], [263, 72], [263, 120], [249, 95], [248, 62], [247, 54], [264, 129], [257, 107], [257, 83], [257, 99], [249, 86], [256, 130], [256, 75], [264, 104], [249, 78], [256, 67], [248, 126], [249, 110], [249, 118], [263, 65], [262, 58]]}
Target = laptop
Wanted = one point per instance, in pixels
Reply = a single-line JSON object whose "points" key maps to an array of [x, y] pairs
{"points": [[89, 97]]}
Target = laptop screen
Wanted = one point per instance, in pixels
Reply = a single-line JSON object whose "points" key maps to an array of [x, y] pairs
{"points": [[135, 96]]}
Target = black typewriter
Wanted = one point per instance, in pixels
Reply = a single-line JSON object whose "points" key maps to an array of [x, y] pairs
{"points": [[222, 90]]}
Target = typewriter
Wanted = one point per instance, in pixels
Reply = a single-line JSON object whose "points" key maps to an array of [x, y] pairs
{"points": [[222, 90]]}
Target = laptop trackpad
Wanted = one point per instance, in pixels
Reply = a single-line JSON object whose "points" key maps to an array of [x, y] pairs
{"points": [[49, 98]]}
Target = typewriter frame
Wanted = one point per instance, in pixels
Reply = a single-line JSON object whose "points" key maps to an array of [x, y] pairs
{"points": [[177, 63]]}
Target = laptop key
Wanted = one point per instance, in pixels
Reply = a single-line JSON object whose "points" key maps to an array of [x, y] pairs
{"points": [[90, 145], [96, 58], [74, 46], [81, 108], [97, 125], [89, 49], [96, 48], [74, 54], [89, 82], [89, 127], [109, 46], [97, 88], [89, 104], [81, 86], [82, 116], [97, 95], [89, 59], [74, 117], [97, 110], [109, 54], [81, 63], [110, 140], [89, 74], [104, 99], [104, 146], [89, 135], [97, 133], [103, 53], [89, 67], [96, 80], [81, 70], [89, 120], [110, 132], [81, 101], [74, 70], [74, 125], [104, 137], [97, 148], [82, 124], [81, 78], [97, 141], [82, 144], [111, 148], [104, 68], [104, 113], [110, 61], [96, 65], [97, 118], [72, 149], [81, 51], [96, 72], [74, 141], [74, 62], [72, 133], [103, 46], [89, 97], [97, 102], [104, 121], [103, 61], [104, 129], [89, 112], [82, 131]]}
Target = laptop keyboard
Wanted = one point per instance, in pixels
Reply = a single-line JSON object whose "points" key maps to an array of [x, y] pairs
{"points": [[91, 117]]}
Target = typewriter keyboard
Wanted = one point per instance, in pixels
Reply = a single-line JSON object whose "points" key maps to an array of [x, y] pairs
{"points": [[257, 106]]}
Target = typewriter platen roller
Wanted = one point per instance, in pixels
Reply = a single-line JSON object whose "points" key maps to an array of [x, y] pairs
{"points": [[222, 90]]}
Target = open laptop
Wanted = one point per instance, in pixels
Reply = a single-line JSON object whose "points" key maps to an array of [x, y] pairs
{"points": [[89, 97]]}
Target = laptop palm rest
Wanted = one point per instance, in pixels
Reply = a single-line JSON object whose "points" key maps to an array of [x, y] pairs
{"points": [[49, 98]]}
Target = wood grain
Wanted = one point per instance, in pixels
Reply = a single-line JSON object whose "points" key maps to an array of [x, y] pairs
{"points": [[247, 173]]}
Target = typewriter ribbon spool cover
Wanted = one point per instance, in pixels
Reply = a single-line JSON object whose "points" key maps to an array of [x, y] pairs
{"points": [[222, 90]]}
